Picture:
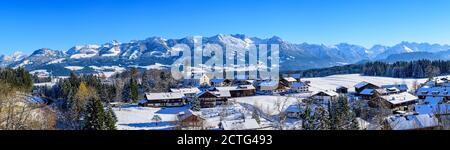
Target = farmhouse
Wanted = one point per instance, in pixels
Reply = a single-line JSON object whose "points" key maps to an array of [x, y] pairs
{"points": [[299, 87], [412, 122], [436, 109], [426, 91], [341, 90], [238, 91], [288, 81], [364, 85], [323, 97], [188, 92], [190, 120], [396, 87], [209, 99], [163, 100], [399, 101]]}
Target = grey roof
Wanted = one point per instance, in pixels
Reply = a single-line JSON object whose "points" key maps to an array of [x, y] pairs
{"points": [[399, 98], [410, 122], [432, 109], [433, 91], [361, 84], [402, 87], [367, 92], [433, 100]]}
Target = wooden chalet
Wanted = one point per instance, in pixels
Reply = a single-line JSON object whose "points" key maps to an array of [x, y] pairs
{"points": [[324, 97], [190, 120], [221, 82], [163, 100], [209, 99], [238, 91], [342, 90], [364, 85]]}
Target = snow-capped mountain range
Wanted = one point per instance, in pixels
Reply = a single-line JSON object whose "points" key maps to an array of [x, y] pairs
{"points": [[155, 52]]}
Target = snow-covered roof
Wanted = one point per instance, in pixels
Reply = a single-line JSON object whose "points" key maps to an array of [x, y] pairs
{"points": [[217, 80], [399, 98], [216, 93], [163, 96], [402, 87], [269, 83], [187, 113], [433, 100], [290, 79], [361, 84], [224, 94], [433, 91], [409, 122], [298, 85], [192, 90], [205, 92], [432, 109], [247, 124], [329, 93], [367, 92], [236, 88]]}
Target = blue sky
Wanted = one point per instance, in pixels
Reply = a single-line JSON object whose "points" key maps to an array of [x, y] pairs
{"points": [[27, 25]]}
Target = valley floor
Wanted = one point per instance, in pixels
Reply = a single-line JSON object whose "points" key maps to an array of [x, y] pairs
{"points": [[133, 117]]}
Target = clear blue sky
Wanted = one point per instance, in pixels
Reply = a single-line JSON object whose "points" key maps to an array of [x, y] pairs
{"points": [[27, 25]]}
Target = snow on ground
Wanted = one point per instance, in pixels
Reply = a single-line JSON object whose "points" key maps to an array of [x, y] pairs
{"points": [[134, 117], [74, 68], [79, 56], [155, 66], [271, 105], [44, 84], [349, 80], [56, 61], [108, 71]]}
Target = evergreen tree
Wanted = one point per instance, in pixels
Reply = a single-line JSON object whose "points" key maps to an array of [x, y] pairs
{"points": [[307, 119], [156, 119], [110, 119], [323, 121], [95, 115], [196, 105], [134, 94]]}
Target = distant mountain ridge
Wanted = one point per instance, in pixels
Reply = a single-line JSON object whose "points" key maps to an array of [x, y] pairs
{"points": [[155, 52]]}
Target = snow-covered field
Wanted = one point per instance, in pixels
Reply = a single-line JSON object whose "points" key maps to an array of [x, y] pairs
{"points": [[74, 68], [271, 105], [349, 80], [133, 117]]}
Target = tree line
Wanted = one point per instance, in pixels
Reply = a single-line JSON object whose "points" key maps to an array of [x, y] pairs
{"points": [[402, 69]]}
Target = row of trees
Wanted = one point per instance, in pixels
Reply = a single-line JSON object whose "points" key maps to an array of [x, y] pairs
{"points": [[81, 105], [338, 116], [16, 110], [412, 69], [19, 78]]}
